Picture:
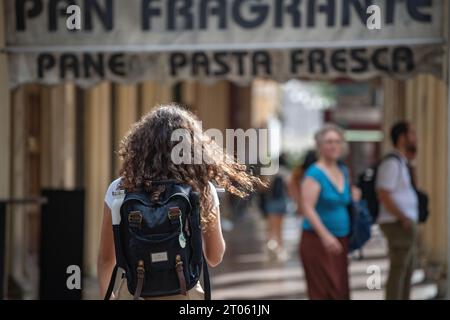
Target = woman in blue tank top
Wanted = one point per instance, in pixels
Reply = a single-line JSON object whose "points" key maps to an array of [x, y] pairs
{"points": [[332, 203], [326, 194]]}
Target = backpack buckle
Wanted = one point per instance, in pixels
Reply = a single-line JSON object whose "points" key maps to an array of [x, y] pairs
{"points": [[135, 219], [174, 213]]}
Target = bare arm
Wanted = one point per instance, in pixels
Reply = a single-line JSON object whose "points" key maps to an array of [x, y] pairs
{"points": [[310, 193], [213, 242], [106, 257]]}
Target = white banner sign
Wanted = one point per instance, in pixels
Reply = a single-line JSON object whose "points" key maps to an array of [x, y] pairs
{"points": [[171, 40]]}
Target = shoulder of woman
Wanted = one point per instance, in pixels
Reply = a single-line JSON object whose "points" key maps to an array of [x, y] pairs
{"points": [[314, 174], [344, 169], [312, 171], [114, 186], [214, 195]]}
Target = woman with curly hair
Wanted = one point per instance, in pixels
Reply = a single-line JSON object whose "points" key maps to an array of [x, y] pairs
{"points": [[147, 153]]}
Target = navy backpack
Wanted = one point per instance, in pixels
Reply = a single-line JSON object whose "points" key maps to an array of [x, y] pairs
{"points": [[158, 241]]}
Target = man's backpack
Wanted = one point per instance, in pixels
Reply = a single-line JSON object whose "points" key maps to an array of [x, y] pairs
{"points": [[367, 184], [158, 241]]}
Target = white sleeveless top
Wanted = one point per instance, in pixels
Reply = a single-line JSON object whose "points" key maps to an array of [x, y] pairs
{"points": [[114, 187]]}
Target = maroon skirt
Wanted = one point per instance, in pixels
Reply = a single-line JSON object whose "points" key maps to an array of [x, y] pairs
{"points": [[326, 274]]}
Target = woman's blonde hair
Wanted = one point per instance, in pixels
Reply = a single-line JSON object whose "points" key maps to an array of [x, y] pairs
{"points": [[319, 136]]}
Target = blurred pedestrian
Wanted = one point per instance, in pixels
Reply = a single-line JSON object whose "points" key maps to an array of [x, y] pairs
{"points": [[274, 204], [326, 194], [399, 210]]}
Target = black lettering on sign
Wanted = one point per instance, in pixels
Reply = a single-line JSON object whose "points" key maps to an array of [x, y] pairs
{"points": [[328, 8], [221, 60], [240, 56], [46, 61], [360, 6], [26, 9], [219, 9], [296, 60], [57, 9], [414, 9], [94, 64], [338, 60], [380, 59], [261, 59], [85, 65], [260, 12], [317, 59], [200, 61], [293, 9], [360, 57], [174, 10], [68, 63], [403, 59], [219, 64], [177, 60], [390, 11], [105, 14], [148, 12], [117, 64]]}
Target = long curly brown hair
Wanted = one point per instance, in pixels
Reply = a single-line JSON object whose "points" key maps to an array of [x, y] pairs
{"points": [[147, 150]]}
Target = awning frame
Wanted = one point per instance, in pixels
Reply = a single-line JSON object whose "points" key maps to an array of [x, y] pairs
{"points": [[146, 48]]}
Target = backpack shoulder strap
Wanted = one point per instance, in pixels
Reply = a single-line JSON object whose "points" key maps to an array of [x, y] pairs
{"points": [[393, 155], [206, 281], [111, 283], [118, 197]]}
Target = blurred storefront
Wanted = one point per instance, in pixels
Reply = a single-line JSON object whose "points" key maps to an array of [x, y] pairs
{"points": [[67, 98]]}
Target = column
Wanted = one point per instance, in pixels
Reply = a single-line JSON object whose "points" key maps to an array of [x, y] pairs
{"points": [[98, 162], [126, 113], [152, 94], [5, 139]]}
